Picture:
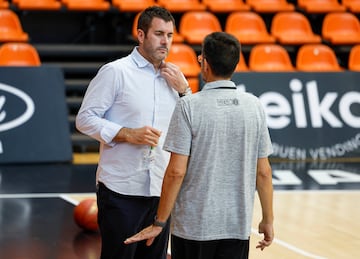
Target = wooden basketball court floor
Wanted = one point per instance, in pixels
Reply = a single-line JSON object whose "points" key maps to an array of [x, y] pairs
{"points": [[316, 205]]}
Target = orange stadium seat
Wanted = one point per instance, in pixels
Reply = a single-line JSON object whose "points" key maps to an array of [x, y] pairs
{"points": [[195, 25], [193, 83], [185, 57], [87, 5], [4, 4], [270, 6], [352, 5], [248, 28], [226, 6], [320, 6], [182, 5], [177, 38], [241, 66], [341, 28], [19, 54], [270, 58], [354, 58], [11, 28], [293, 28], [317, 58], [132, 5], [37, 5]]}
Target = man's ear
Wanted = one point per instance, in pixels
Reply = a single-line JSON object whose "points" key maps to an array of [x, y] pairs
{"points": [[206, 66], [140, 35]]}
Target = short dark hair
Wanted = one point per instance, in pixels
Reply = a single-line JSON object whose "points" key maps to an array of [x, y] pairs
{"points": [[222, 52], [149, 13]]}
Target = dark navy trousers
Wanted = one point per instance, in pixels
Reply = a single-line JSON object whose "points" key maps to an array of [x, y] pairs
{"points": [[121, 216], [213, 249]]}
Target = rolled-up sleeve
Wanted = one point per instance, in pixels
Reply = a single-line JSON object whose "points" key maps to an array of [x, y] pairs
{"points": [[98, 99]]}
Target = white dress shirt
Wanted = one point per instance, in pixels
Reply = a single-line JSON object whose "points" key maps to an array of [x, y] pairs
{"points": [[128, 92]]}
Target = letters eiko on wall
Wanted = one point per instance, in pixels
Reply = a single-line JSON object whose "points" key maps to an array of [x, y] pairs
{"points": [[310, 115]]}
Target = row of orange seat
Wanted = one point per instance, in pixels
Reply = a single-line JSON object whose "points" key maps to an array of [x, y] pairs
{"points": [[287, 28], [263, 58], [325, 6], [137, 5], [309, 58], [262, 6], [79, 5], [272, 58], [294, 28]]}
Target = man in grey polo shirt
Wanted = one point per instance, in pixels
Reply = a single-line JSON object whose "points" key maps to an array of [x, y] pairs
{"points": [[219, 144]]}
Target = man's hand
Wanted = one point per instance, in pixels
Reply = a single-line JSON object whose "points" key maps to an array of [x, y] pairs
{"points": [[174, 76], [148, 233], [141, 136], [268, 231]]}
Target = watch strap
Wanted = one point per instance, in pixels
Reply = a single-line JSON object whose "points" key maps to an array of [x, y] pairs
{"points": [[159, 223], [187, 92]]}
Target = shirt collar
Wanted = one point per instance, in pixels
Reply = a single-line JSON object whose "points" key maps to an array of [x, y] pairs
{"points": [[219, 84], [138, 58]]}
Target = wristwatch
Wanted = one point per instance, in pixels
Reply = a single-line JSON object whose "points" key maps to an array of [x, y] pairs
{"points": [[187, 92], [159, 223]]}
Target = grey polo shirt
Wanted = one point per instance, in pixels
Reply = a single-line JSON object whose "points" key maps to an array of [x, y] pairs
{"points": [[224, 132]]}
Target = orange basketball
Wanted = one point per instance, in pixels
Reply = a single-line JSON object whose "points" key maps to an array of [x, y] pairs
{"points": [[85, 214]]}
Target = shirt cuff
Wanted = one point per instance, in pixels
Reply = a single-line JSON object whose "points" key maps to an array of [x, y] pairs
{"points": [[109, 132]]}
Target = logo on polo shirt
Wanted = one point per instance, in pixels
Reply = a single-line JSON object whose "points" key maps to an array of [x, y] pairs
{"points": [[227, 102]]}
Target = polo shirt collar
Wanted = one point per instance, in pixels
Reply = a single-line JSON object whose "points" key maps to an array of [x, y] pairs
{"points": [[219, 84]]}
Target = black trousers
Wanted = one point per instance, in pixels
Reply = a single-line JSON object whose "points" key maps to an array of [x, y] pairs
{"points": [[214, 249], [121, 216]]}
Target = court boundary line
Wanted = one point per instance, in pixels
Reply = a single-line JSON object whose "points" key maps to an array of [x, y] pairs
{"points": [[289, 246]]}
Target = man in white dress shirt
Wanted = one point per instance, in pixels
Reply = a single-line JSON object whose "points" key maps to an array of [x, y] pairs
{"points": [[127, 108]]}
